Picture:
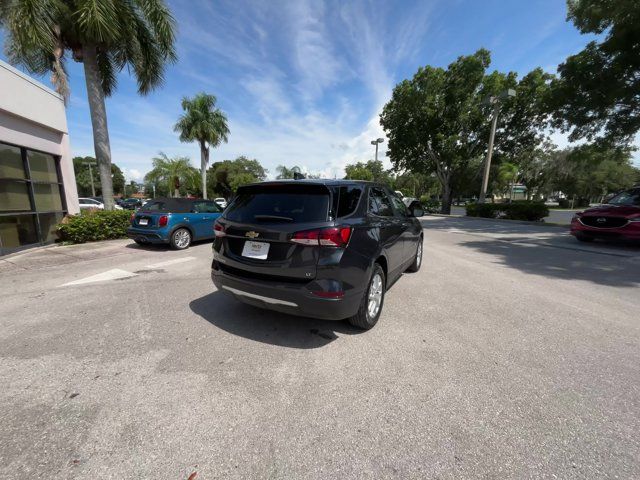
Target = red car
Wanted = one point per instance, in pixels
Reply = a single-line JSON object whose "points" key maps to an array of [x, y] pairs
{"points": [[619, 218]]}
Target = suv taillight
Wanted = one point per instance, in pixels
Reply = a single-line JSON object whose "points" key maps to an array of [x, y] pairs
{"points": [[162, 222], [218, 230], [327, 237], [133, 217]]}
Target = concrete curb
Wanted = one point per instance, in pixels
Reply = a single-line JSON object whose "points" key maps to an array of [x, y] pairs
{"points": [[519, 222]]}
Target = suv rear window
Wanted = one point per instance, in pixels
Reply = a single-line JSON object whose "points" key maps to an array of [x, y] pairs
{"points": [[279, 203]]}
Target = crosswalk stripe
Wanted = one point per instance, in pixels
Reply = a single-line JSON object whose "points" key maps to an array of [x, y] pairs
{"points": [[114, 274]]}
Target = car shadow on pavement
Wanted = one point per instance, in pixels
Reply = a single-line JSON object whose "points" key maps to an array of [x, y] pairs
{"points": [[266, 326], [160, 247], [562, 262]]}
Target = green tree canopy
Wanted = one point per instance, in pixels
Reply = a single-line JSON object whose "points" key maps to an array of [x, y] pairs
{"points": [[176, 174], [438, 122], [372, 170], [598, 92], [225, 177], [106, 36], [204, 123], [591, 171], [83, 181]]}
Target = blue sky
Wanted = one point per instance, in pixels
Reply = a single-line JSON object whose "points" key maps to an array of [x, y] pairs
{"points": [[302, 81]]}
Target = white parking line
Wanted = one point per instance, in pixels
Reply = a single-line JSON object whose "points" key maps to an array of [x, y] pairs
{"points": [[114, 274], [171, 262]]}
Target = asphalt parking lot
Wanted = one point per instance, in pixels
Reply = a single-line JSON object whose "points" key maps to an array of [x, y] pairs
{"points": [[513, 353]]}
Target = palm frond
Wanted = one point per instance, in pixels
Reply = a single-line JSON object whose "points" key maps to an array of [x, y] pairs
{"points": [[97, 19], [107, 68]]}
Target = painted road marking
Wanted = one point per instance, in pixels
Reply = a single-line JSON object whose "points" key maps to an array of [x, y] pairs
{"points": [[171, 262], [114, 274]]}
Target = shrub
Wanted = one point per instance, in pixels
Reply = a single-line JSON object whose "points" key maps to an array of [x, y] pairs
{"points": [[579, 202], [525, 210], [519, 210], [430, 205], [484, 210], [93, 225]]}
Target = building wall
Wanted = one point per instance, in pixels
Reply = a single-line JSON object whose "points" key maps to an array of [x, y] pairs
{"points": [[34, 116], [37, 181]]}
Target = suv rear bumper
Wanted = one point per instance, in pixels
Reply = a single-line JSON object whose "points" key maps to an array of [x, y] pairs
{"points": [[286, 297]]}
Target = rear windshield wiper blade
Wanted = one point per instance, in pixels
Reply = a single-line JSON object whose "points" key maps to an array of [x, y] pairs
{"points": [[273, 217]]}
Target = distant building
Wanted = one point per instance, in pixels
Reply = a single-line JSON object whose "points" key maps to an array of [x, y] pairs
{"points": [[37, 181]]}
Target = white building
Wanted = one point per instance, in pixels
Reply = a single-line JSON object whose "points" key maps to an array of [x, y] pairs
{"points": [[37, 181]]}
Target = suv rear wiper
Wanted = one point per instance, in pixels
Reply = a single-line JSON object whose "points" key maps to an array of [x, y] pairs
{"points": [[273, 217]]}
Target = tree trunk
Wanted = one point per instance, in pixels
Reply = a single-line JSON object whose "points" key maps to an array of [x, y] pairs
{"points": [[447, 198], [98, 111], [204, 160]]}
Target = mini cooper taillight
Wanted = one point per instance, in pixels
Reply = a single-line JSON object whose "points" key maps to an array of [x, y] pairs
{"points": [[162, 222], [326, 237]]}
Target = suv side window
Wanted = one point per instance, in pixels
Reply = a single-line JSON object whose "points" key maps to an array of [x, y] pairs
{"points": [[379, 203], [346, 200], [399, 206]]}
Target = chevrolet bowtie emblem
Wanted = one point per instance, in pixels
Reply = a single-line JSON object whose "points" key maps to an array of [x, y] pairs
{"points": [[251, 234]]}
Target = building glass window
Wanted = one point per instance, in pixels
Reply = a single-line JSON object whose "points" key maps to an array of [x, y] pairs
{"points": [[42, 167], [11, 164], [18, 231], [31, 197], [48, 223], [14, 196], [47, 197]]}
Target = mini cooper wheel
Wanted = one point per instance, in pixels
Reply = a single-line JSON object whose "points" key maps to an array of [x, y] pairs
{"points": [[180, 239], [371, 305]]}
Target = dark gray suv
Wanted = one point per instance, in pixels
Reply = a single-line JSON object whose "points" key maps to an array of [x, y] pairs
{"points": [[318, 248]]}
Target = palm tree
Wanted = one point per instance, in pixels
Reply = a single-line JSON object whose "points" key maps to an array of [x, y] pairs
{"points": [[202, 122], [106, 36], [173, 172], [285, 172]]}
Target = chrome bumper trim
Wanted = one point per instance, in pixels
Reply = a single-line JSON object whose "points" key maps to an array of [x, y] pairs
{"points": [[273, 301]]}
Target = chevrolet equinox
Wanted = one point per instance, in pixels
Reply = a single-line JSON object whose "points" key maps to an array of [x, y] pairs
{"points": [[326, 249]]}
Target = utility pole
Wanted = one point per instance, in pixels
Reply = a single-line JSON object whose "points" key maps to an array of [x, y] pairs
{"points": [[496, 102], [376, 143], [93, 189]]}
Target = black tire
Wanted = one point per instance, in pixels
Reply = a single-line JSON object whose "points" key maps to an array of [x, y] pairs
{"points": [[584, 238], [139, 242], [417, 260], [180, 239], [363, 319]]}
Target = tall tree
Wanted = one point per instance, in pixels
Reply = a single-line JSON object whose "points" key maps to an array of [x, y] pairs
{"points": [[175, 173], [598, 92], [225, 177], [590, 172], [286, 172], [438, 122], [372, 170], [202, 122], [83, 181], [106, 36]]}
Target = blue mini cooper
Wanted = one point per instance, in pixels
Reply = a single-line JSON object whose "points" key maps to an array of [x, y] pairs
{"points": [[176, 221]]}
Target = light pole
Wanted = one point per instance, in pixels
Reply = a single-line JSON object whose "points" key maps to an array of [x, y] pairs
{"points": [[496, 102], [93, 188], [376, 143]]}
